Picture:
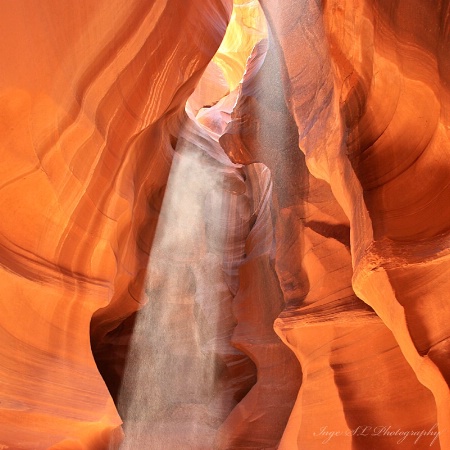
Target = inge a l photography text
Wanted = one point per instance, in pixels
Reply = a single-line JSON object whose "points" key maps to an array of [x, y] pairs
{"points": [[398, 435]]}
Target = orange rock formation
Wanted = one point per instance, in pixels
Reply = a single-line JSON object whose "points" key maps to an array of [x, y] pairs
{"points": [[225, 238]]}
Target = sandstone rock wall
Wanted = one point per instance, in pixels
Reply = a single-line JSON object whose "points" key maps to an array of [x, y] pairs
{"points": [[276, 205]]}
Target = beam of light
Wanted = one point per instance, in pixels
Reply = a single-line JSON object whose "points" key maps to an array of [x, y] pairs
{"points": [[172, 399], [171, 396]]}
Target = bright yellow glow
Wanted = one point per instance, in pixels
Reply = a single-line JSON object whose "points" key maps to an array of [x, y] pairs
{"points": [[246, 28]]}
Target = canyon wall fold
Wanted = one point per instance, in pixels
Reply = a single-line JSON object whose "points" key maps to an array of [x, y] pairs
{"points": [[89, 103], [225, 224]]}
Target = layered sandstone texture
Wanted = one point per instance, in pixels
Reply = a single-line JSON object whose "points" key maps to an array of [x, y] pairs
{"points": [[225, 225]]}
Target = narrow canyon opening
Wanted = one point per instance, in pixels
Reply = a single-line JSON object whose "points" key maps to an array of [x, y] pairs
{"points": [[182, 367]]}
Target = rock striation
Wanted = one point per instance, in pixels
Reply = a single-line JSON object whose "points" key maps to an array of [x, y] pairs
{"points": [[225, 225]]}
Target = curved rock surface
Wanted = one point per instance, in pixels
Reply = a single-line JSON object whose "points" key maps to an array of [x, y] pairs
{"points": [[89, 102], [225, 239]]}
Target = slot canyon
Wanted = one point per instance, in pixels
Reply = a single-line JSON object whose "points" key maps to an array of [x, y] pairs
{"points": [[225, 225]]}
